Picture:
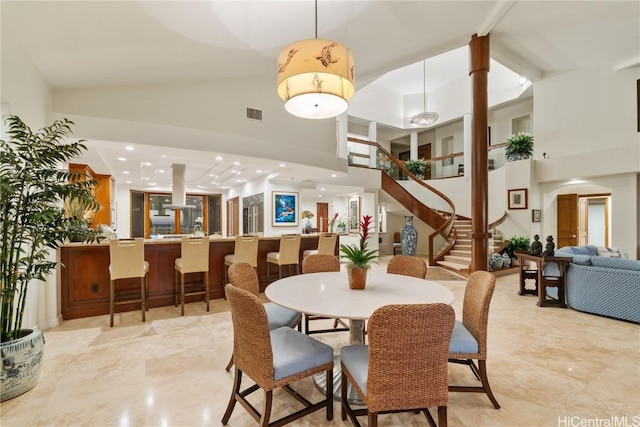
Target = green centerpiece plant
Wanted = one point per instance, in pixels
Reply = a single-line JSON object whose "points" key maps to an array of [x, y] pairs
{"points": [[33, 189], [417, 167]]}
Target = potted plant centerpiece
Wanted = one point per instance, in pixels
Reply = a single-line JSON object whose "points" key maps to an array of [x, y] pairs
{"points": [[33, 189], [359, 255], [519, 147]]}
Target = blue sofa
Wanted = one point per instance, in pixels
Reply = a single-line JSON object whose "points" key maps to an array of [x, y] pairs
{"points": [[599, 284]]}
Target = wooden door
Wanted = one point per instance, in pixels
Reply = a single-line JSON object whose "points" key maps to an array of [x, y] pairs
{"points": [[322, 219], [233, 216], [567, 220], [424, 152]]}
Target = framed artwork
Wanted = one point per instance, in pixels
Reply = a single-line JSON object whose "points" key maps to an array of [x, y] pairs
{"points": [[353, 213], [517, 198], [285, 209], [536, 215]]}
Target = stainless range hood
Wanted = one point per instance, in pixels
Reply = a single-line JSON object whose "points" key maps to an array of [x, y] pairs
{"points": [[178, 189]]}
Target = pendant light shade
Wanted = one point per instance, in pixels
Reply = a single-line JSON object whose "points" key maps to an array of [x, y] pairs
{"points": [[315, 77]]}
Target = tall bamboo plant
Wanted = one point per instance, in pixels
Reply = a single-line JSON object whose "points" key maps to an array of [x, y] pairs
{"points": [[33, 187]]}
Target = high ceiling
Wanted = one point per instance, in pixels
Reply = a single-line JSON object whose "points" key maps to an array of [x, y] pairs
{"points": [[89, 44]]}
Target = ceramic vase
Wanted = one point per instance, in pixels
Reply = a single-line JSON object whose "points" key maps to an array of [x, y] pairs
{"points": [[357, 277], [495, 261], [21, 362], [408, 237], [506, 260]]}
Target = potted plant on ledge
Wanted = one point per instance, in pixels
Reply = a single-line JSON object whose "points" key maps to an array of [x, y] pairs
{"points": [[33, 189], [519, 147], [416, 167], [359, 255]]}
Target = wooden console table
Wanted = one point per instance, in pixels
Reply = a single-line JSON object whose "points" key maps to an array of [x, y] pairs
{"points": [[543, 281]]}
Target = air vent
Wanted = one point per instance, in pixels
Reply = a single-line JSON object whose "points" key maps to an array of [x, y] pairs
{"points": [[254, 114]]}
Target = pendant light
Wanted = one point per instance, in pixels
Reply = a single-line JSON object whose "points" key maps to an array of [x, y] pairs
{"points": [[315, 77], [425, 118]]}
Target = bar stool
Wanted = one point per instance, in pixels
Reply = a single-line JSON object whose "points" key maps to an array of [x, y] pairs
{"points": [[194, 258], [126, 260], [326, 245], [288, 254], [245, 250]]}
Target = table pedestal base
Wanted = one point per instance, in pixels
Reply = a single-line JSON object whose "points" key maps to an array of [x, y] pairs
{"points": [[320, 381]]}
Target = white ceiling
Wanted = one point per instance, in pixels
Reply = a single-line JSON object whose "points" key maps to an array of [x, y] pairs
{"points": [[79, 44]]}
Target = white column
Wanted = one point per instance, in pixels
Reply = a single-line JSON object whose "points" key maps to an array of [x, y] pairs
{"points": [[413, 145], [343, 130], [373, 137], [466, 125]]}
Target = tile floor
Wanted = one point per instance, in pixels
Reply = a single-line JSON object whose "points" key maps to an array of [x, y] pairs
{"points": [[547, 367]]}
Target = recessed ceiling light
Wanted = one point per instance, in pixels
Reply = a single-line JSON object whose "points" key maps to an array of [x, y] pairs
{"points": [[319, 195], [160, 170], [333, 175], [282, 165], [259, 171], [122, 159], [236, 163], [322, 189], [125, 172], [146, 164], [163, 156], [238, 173], [129, 148], [145, 179], [128, 182], [218, 158], [233, 171], [151, 183], [241, 180]]}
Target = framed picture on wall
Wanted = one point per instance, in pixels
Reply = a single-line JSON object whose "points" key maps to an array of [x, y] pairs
{"points": [[285, 209], [517, 198], [353, 212], [536, 215]]}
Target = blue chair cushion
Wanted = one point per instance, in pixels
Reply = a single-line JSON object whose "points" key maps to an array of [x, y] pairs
{"points": [[295, 352], [356, 359], [279, 316], [461, 340]]}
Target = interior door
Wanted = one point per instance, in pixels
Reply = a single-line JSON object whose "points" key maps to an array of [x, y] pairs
{"points": [[322, 220], [567, 220]]}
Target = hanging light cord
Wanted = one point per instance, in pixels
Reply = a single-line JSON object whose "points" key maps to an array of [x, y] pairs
{"points": [[424, 85]]}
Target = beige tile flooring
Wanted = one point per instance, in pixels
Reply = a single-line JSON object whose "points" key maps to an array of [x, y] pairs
{"points": [[547, 367]]}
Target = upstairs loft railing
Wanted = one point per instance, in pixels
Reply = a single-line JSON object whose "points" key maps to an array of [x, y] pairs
{"points": [[371, 155], [448, 166]]}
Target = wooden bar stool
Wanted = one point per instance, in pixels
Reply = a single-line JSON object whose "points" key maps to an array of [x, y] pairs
{"points": [[245, 250], [288, 254], [326, 245], [127, 261], [194, 258]]}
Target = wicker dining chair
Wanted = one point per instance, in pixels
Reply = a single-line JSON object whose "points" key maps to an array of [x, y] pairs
{"points": [[273, 359], [326, 245], [469, 340], [244, 276], [407, 266], [288, 254], [319, 263], [404, 367], [194, 258], [126, 260]]}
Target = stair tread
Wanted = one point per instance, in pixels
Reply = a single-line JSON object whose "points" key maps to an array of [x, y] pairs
{"points": [[455, 258], [454, 265]]}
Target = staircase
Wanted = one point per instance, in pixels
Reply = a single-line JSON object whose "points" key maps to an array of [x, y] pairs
{"points": [[459, 258]]}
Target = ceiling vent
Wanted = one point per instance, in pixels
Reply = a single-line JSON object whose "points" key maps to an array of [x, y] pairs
{"points": [[254, 114]]}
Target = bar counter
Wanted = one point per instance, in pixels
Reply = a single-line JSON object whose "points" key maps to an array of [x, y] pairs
{"points": [[83, 273]]}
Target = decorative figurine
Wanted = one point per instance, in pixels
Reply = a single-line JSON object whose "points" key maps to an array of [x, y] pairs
{"points": [[536, 246], [550, 247]]}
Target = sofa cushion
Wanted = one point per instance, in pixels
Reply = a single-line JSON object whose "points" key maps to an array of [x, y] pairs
{"points": [[620, 263], [579, 250], [582, 259]]}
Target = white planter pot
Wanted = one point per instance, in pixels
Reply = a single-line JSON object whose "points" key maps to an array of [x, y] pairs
{"points": [[21, 361]]}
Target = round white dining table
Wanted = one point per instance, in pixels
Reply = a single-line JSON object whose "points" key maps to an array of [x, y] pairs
{"points": [[328, 294]]}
